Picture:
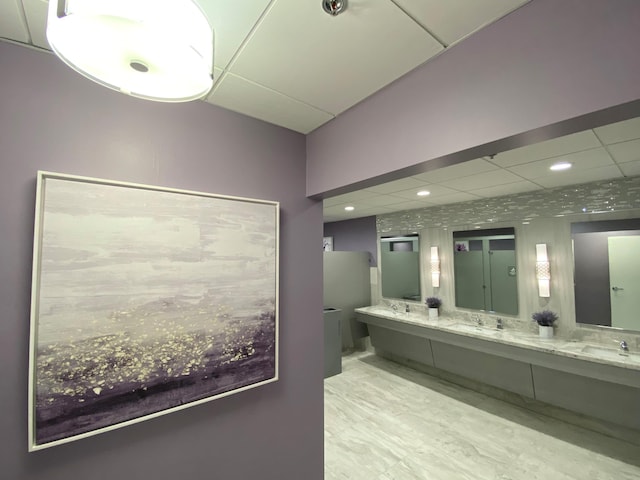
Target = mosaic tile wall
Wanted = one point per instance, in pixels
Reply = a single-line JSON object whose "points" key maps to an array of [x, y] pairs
{"points": [[596, 197]]}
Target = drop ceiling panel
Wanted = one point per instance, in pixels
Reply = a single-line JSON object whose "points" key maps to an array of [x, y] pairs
{"points": [[508, 189], [333, 62], [625, 151], [619, 132], [12, 22], [433, 189], [630, 169], [487, 179], [560, 179], [232, 22], [349, 197], [465, 169], [453, 20], [243, 96], [596, 157], [550, 148], [380, 200], [36, 15]]}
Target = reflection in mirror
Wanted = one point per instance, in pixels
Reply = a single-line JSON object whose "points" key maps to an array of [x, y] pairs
{"points": [[400, 267], [606, 278], [485, 270]]}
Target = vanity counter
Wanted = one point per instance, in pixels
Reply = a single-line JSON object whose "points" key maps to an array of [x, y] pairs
{"points": [[503, 342]]}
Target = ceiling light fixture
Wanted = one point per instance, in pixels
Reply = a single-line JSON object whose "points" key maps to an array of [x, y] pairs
{"points": [[152, 49], [334, 7], [424, 193], [349, 208], [557, 167]]}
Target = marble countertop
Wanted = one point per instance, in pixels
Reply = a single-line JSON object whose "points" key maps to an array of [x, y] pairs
{"points": [[593, 352]]}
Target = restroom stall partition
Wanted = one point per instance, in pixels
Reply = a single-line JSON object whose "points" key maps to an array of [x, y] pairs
{"points": [[485, 272], [347, 286]]}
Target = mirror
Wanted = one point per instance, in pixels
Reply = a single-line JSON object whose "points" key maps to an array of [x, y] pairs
{"points": [[485, 272], [400, 267], [606, 279]]}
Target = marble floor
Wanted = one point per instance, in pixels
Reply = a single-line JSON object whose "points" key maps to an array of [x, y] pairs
{"points": [[384, 421]]}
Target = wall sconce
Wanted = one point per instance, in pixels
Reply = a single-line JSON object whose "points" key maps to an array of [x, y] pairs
{"points": [[435, 267], [543, 270], [152, 49]]}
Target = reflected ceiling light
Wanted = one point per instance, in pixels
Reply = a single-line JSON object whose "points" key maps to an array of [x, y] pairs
{"points": [[152, 49], [424, 193], [349, 208], [543, 270], [557, 167], [435, 267]]}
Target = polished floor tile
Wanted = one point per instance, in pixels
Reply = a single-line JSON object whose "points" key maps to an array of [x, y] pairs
{"points": [[384, 421]]}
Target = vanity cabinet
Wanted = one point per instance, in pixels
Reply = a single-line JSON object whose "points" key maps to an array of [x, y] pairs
{"points": [[513, 376], [402, 344], [608, 401], [598, 390]]}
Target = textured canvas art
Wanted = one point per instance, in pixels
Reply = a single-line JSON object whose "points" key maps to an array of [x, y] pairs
{"points": [[145, 301]]}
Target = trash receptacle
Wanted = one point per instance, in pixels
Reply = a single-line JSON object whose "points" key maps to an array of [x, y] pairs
{"points": [[332, 342]]}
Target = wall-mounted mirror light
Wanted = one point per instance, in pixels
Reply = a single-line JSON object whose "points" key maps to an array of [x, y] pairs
{"points": [[435, 267], [543, 270], [152, 49]]}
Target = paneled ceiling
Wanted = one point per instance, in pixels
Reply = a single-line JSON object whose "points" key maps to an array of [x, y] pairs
{"points": [[289, 63], [603, 153]]}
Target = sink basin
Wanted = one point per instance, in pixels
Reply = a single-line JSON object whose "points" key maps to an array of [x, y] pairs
{"points": [[465, 327], [611, 353]]}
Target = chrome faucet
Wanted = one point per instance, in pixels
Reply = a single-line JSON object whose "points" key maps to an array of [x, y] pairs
{"points": [[394, 307], [407, 309], [623, 346], [477, 319], [499, 324]]}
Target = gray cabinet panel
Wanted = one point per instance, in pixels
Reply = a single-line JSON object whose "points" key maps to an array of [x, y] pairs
{"points": [[509, 375], [401, 344], [608, 401]]}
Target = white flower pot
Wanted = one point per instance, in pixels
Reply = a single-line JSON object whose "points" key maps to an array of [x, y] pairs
{"points": [[433, 313], [545, 332]]}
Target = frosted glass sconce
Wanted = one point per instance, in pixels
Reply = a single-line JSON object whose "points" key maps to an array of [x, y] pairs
{"points": [[152, 49], [435, 267], [543, 270]]}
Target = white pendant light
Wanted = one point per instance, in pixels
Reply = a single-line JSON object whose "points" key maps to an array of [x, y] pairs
{"points": [[153, 49]]}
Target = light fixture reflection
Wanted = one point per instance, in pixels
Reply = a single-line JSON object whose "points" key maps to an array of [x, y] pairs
{"points": [[543, 270], [153, 49], [349, 208], [423, 193], [435, 267], [557, 167]]}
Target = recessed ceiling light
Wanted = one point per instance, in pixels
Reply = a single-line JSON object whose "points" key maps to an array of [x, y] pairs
{"points": [[424, 193], [349, 208], [556, 167]]}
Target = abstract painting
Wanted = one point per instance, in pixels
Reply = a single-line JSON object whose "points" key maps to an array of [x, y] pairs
{"points": [[145, 300]]}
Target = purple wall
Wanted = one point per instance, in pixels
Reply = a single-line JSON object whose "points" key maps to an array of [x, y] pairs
{"points": [[357, 235], [53, 119], [515, 82]]}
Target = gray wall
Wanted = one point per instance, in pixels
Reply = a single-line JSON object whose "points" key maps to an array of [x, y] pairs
{"points": [[357, 235], [521, 80], [53, 119]]}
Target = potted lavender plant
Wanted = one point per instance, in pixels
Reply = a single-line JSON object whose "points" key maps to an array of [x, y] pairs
{"points": [[545, 320], [434, 304]]}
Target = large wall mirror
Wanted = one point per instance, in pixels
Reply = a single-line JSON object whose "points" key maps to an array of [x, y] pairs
{"points": [[607, 272], [400, 267], [485, 270]]}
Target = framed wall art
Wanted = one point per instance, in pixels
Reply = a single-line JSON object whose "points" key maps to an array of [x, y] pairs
{"points": [[145, 300]]}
